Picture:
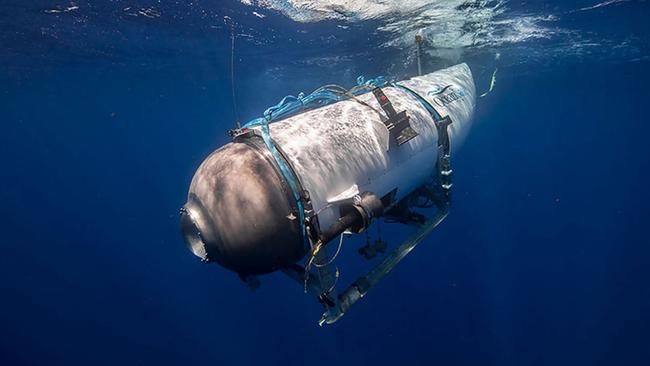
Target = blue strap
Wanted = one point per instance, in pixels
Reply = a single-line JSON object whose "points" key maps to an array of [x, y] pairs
{"points": [[444, 145], [287, 172], [289, 106], [436, 116]]}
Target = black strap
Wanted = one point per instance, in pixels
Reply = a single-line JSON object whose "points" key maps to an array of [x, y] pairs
{"points": [[384, 102], [444, 157], [444, 144]]}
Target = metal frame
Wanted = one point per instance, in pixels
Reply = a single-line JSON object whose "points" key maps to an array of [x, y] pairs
{"points": [[322, 284]]}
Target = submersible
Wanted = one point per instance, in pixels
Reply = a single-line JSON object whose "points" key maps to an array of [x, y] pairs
{"points": [[317, 166]]}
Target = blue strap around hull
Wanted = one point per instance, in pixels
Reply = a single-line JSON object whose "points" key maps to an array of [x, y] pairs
{"points": [[436, 116], [287, 172], [291, 105]]}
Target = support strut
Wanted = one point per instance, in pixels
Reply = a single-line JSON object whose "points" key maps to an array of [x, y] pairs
{"points": [[360, 287]]}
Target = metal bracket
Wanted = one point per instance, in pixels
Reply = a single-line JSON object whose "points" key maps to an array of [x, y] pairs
{"points": [[397, 123], [240, 132]]}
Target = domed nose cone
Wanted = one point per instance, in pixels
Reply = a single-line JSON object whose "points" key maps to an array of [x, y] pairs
{"points": [[239, 212]]}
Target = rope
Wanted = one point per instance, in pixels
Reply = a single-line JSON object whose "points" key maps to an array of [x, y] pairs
{"points": [[315, 249], [353, 97], [232, 74], [320, 97], [319, 265], [311, 261]]}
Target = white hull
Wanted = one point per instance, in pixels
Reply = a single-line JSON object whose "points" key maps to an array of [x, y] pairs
{"points": [[344, 148]]}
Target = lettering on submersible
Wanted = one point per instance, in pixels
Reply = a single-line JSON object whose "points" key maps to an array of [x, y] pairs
{"points": [[446, 96]]}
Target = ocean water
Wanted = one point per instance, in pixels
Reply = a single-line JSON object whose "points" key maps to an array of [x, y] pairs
{"points": [[108, 107]]}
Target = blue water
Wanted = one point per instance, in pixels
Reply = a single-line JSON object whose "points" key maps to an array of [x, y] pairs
{"points": [[544, 259]]}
